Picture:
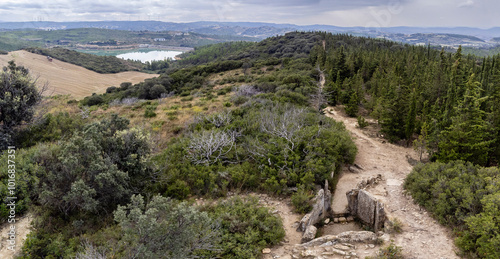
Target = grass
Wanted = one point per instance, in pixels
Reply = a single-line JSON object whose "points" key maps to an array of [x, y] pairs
{"points": [[172, 115]]}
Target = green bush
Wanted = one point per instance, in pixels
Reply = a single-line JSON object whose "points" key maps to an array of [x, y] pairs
{"points": [[301, 201], [250, 146], [464, 197], [164, 229], [392, 251], [246, 227], [93, 100], [362, 123], [187, 99], [150, 111], [51, 127]]}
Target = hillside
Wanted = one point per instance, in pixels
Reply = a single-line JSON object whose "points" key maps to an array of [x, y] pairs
{"points": [[258, 31], [241, 119], [97, 38], [65, 78]]}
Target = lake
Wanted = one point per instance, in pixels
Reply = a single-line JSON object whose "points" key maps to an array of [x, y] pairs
{"points": [[150, 55]]}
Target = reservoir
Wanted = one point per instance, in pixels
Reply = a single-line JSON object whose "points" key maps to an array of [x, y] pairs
{"points": [[150, 55]]}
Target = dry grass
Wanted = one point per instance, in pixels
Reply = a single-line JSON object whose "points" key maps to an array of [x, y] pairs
{"points": [[172, 115], [65, 78]]}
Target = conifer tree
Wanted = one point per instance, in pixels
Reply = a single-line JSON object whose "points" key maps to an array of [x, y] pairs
{"points": [[468, 136]]}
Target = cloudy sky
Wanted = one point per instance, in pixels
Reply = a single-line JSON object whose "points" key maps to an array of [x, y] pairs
{"points": [[371, 13]]}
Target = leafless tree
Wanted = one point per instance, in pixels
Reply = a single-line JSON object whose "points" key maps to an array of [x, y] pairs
{"points": [[211, 146], [246, 90], [319, 97], [85, 112], [286, 125], [220, 119], [90, 252]]}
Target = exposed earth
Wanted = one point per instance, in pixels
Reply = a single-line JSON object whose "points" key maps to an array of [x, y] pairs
{"points": [[421, 237], [22, 228]]}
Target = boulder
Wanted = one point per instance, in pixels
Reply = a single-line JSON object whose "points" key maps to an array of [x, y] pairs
{"points": [[309, 234], [321, 208], [367, 208]]}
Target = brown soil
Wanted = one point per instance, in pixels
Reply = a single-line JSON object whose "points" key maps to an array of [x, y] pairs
{"points": [[422, 237], [22, 230], [284, 209], [65, 78]]}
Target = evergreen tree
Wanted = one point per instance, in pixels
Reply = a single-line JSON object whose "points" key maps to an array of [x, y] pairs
{"points": [[18, 96], [468, 137], [410, 119]]}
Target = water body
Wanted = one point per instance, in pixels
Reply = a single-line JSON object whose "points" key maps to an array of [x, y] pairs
{"points": [[150, 55]]}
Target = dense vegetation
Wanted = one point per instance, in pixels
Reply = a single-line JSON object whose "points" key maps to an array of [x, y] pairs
{"points": [[464, 197], [262, 145], [18, 96], [94, 180], [269, 137], [93, 37], [99, 64], [412, 91]]}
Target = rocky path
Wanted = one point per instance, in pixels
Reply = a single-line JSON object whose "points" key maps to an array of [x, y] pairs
{"points": [[23, 226], [421, 237]]}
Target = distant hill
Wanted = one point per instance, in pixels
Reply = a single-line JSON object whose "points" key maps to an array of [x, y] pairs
{"points": [[94, 38], [248, 31]]}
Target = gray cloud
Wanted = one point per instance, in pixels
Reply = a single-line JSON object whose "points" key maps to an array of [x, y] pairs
{"points": [[335, 12]]}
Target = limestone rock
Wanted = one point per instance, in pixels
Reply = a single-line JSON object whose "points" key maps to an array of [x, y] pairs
{"points": [[319, 241], [321, 208], [367, 208], [266, 251], [309, 234], [357, 237]]}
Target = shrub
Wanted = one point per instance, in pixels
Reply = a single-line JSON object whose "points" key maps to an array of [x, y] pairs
{"points": [[164, 229], [462, 196], [301, 201], [246, 227], [150, 111], [111, 89], [93, 100], [362, 123], [187, 99], [390, 252]]}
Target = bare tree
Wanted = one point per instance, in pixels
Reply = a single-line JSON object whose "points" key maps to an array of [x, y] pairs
{"points": [[211, 146], [246, 90], [286, 125], [90, 252], [220, 119], [319, 97]]}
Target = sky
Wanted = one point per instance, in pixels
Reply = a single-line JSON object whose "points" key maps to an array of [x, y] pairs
{"points": [[346, 13]]}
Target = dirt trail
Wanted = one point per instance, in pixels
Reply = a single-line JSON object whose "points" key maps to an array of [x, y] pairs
{"points": [[422, 237], [65, 78], [284, 209], [22, 230]]}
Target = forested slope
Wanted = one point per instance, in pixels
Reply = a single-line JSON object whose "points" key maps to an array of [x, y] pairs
{"points": [[240, 117]]}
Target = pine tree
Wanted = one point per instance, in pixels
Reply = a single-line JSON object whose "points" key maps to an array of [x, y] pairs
{"points": [[467, 138], [412, 114]]}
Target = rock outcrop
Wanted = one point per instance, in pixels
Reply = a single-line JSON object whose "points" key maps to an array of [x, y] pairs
{"points": [[309, 234], [366, 208], [342, 245], [321, 209]]}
